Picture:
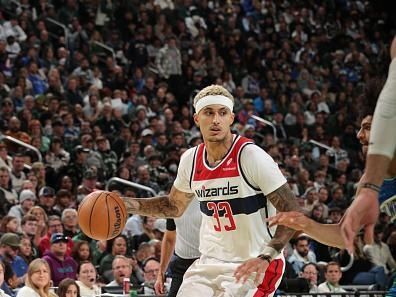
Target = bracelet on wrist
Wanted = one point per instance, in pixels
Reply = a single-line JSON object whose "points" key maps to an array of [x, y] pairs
{"points": [[267, 258], [371, 187]]}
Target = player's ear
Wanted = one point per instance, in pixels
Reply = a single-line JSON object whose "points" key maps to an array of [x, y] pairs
{"points": [[195, 116], [232, 118]]}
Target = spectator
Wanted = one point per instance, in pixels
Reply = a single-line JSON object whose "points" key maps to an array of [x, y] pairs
{"points": [[26, 250], [38, 280], [2, 278], [116, 246], [8, 196], [17, 175], [86, 275], [63, 200], [9, 245], [69, 222], [60, 264], [42, 219], [26, 202], [151, 267], [47, 200], [81, 251], [121, 268], [333, 275], [310, 272], [54, 227], [379, 253], [301, 254], [68, 287], [9, 224], [88, 185]]}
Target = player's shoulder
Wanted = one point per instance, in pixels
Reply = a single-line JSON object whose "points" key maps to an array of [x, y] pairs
{"points": [[189, 153]]}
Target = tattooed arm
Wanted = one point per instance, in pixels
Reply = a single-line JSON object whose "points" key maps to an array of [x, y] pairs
{"points": [[284, 200], [169, 206]]}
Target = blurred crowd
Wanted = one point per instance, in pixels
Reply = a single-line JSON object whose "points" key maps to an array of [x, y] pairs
{"points": [[102, 89]]}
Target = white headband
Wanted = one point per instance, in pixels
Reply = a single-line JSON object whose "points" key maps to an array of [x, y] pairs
{"points": [[213, 99]]}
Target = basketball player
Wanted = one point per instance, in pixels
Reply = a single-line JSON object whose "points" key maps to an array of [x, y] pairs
{"points": [[238, 185], [330, 233], [381, 160], [182, 238]]}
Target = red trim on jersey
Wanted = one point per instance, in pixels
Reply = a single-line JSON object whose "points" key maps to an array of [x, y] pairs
{"points": [[227, 168], [271, 277]]}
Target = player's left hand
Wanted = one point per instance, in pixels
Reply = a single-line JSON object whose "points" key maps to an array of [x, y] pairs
{"points": [[257, 265]]}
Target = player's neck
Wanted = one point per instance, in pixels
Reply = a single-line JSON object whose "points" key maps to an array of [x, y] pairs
{"points": [[216, 151]]}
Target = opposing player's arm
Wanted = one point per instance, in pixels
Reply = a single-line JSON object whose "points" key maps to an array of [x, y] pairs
{"points": [[283, 199], [168, 206], [328, 234]]}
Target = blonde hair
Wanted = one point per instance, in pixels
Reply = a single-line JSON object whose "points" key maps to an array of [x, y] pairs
{"points": [[213, 90], [34, 266]]}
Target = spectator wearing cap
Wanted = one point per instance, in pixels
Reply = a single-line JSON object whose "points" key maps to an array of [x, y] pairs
{"points": [[61, 265], [109, 157], [47, 200], [88, 184], [9, 246], [8, 196], [26, 201], [54, 226]]}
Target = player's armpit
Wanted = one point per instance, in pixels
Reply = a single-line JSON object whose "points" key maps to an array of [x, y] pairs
{"points": [[283, 199], [169, 206]]}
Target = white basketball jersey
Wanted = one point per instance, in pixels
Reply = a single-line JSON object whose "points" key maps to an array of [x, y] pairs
{"points": [[233, 211]]}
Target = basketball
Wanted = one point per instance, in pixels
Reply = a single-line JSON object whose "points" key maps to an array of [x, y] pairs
{"points": [[102, 215]]}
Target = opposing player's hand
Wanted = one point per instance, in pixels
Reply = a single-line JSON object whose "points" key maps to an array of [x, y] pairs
{"points": [[363, 212], [257, 265], [159, 284], [291, 219]]}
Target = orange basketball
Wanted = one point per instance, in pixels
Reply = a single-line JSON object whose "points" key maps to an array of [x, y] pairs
{"points": [[102, 215]]}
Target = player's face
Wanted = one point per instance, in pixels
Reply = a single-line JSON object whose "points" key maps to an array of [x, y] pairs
{"points": [[214, 122], [364, 133]]}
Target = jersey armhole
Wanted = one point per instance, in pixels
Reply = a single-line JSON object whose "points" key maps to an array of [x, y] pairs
{"points": [[240, 167], [193, 166]]}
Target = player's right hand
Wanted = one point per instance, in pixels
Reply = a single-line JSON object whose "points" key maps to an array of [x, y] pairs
{"points": [[363, 212], [159, 284], [291, 219]]}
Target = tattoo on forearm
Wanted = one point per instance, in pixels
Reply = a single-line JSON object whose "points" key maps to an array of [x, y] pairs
{"points": [[284, 200], [160, 206]]}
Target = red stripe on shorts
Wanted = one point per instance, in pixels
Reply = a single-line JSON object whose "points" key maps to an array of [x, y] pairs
{"points": [[271, 277]]}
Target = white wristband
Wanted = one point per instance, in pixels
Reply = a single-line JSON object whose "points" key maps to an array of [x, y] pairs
{"points": [[383, 135]]}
